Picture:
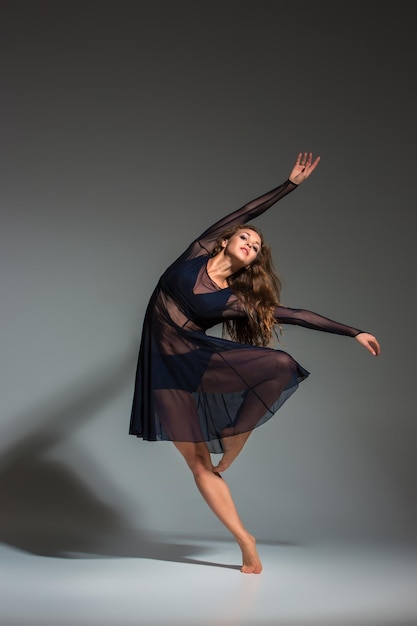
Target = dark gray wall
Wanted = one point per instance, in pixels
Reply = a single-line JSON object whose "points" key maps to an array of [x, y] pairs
{"points": [[127, 128]]}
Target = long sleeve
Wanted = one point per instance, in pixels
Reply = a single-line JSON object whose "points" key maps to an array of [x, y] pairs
{"points": [[308, 319], [245, 214]]}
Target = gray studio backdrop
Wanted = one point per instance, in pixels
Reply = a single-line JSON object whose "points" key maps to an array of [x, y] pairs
{"points": [[128, 127]]}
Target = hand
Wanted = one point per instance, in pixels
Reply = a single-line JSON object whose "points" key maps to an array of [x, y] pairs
{"points": [[369, 342], [303, 167]]}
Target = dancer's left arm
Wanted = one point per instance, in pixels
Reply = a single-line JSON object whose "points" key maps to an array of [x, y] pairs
{"points": [[309, 319], [369, 342]]}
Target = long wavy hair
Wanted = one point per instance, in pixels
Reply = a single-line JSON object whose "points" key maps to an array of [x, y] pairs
{"points": [[258, 287]]}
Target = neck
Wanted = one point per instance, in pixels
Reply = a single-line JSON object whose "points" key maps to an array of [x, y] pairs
{"points": [[220, 268]]}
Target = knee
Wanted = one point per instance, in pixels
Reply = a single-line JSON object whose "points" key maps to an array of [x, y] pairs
{"points": [[198, 466], [197, 457], [284, 364]]}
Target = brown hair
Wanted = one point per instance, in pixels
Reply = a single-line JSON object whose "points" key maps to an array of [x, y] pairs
{"points": [[258, 287]]}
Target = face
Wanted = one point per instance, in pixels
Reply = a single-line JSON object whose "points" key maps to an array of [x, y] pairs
{"points": [[243, 246]]}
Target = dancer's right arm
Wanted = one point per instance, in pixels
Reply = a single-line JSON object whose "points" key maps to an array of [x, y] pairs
{"points": [[203, 245], [302, 169]]}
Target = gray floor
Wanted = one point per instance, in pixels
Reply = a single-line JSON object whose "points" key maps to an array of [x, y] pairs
{"points": [[175, 580]]}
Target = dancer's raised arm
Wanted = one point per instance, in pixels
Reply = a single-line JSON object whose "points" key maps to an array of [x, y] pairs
{"points": [[303, 168]]}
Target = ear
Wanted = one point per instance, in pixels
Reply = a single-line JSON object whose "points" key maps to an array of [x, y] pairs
{"points": [[224, 243]]}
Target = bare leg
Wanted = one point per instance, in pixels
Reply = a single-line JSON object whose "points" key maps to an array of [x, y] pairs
{"points": [[217, 495], [232, 445], [267, 383], [250, 413]]}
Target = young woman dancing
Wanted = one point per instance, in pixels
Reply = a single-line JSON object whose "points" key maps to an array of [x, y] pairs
{"points": [[206, 394]]}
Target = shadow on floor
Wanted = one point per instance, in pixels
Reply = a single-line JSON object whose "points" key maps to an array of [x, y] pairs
{"points": [[47, 510]]}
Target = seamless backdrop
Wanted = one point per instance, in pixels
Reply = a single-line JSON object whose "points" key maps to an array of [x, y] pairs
{"points": [[127, 128]]}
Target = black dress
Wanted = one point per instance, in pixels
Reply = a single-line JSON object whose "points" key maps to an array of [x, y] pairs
{"points": [[194, 387]]}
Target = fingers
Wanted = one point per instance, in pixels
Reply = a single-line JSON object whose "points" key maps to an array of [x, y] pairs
{"points": [[312, 166], [303, 167], [375, 347], [367, 344], [305, 160], [370, 343], [370, 348]]}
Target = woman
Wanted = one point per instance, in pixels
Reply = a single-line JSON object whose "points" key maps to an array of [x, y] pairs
{"points": [[207, 394]]}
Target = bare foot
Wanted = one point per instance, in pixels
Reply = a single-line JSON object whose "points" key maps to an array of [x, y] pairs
{"points": [[251, 561], [222, 465], [232, 446]]}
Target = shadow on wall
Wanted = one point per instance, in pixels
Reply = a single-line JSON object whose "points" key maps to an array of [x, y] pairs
{"points": [[48, 511]]}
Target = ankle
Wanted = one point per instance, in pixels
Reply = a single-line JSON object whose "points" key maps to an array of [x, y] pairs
{"points": [[244, 539]]}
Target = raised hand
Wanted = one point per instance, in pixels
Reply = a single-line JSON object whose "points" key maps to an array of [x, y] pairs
{"points": [[369, 342], [304, 166]]}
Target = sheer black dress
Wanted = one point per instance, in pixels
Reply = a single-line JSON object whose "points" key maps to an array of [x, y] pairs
{"points": [[194, 387]]}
